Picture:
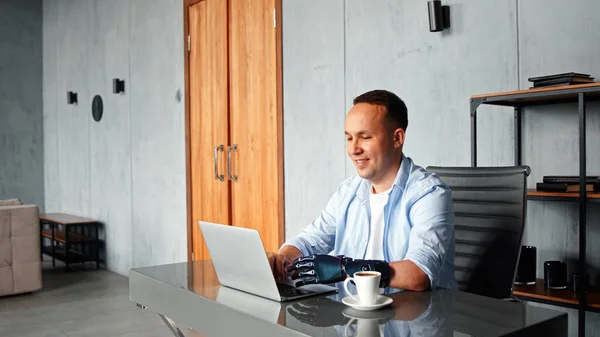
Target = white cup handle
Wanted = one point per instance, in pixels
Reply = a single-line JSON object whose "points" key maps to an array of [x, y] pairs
{"points": [[348, 280], [347, 326]]}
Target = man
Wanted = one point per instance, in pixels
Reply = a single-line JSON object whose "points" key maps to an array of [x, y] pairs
{"points": [[394, 217]]}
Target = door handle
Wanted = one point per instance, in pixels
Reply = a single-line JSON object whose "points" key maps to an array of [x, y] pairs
{"points": [[229, 150], [216, 161]]}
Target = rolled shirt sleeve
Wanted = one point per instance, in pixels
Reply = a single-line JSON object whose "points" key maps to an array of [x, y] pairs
{"points": [[432, 218]]}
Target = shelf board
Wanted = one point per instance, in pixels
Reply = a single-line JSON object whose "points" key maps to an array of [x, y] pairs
{"points": [[66, 219], [541, 96], [532, 194], [561, 297], [61, 236], [74, 256]]}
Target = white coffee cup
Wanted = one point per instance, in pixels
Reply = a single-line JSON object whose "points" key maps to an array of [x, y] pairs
{"points": [[367, 286]]}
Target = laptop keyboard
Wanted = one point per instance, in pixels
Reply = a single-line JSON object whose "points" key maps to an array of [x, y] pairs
{"points": [[287, 290]]}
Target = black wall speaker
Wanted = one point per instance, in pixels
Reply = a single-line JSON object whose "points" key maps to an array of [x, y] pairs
{"points": [[118, 86], [71, 97], [439, 16]]}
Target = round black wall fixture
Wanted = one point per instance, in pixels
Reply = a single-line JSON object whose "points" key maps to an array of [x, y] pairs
{"points": [[97, 108]]}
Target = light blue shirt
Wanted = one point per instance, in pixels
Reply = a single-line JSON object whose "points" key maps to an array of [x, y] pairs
{"points": [[418, 223]]}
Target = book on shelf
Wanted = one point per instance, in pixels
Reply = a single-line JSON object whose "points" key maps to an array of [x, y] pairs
{"points": [[570, 179], [555, 76], [560, 80], [561, 187]]}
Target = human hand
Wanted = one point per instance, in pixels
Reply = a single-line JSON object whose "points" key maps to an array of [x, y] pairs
{"points": [[320, 311], [279, 264], [317, 269]]}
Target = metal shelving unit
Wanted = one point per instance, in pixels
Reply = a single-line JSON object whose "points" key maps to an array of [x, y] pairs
{"points": [[72, 239], [580, 94]]}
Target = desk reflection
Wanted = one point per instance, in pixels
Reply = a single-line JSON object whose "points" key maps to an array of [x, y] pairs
{"points": [[434, 313], [411, 314]]}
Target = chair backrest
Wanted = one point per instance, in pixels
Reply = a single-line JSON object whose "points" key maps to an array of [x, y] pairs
{"points": [[490, 207]]}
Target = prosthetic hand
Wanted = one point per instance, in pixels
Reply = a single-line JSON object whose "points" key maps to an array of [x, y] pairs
{"points": [[330, 269]]}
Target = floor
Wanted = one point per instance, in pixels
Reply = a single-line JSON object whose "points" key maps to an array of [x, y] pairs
{"points": [[79, 303]]}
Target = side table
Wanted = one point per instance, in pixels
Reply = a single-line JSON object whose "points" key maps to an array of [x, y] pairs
{"points": [[73, 239]]}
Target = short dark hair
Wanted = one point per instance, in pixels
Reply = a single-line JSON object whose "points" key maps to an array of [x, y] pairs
{"points": [[395, 108]]}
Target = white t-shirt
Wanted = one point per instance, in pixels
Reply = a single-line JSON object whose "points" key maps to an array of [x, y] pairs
{"points": [[375, 244]]}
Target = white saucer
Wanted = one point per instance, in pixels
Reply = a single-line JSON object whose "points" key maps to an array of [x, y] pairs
{"points": [[383, 315], [382, 301]]}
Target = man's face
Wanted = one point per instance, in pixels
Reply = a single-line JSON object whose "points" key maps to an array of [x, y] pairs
{"points": [[371, 144]]}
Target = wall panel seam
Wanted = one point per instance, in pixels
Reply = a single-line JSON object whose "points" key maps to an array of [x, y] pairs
{"points": [[131, 205], [88, 92], [345, 72], [56, 113], [518, 45]]}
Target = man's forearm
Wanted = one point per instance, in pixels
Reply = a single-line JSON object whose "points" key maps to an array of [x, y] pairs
{"points": [[407, 275], [403, 274], [290, 252]]}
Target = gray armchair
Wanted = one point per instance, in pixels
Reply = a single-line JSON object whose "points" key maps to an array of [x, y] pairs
{"points": [[490, 207], [20, 260]]}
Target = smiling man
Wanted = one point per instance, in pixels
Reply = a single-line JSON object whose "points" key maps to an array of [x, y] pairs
{"points": [[394, 217]]}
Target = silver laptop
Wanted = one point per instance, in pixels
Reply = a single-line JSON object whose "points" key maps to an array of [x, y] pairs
{"points": [[240, 262]]}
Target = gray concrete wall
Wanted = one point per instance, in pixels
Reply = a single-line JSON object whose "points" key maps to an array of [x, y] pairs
{"points": [[352, 46], [314, 105], [128, 170], [336, 50], [110, 140], [21, 113], [157, 132]]}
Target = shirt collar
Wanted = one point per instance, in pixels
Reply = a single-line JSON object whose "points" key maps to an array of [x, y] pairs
{"points": [[401, 178]]}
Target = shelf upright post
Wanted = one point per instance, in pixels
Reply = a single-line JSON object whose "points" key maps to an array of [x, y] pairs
{"points": [[41, 240], [582, 214], [517, 140], [53, 226], [97, 247], [67, 247], [474, 104]]}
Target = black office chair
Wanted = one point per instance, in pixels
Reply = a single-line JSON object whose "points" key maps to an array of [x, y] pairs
{"points": [[490, 207]]}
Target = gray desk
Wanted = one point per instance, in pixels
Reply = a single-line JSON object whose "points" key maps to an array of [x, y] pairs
{"points": [[190, 295]]}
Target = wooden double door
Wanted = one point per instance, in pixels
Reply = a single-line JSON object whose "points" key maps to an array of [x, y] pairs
{"points": [[235, 118]]}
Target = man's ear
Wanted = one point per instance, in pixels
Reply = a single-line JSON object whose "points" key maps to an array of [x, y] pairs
{"points": [[399, 135]]}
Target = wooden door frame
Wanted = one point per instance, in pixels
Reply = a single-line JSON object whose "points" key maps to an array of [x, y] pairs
{"points": [[280, 152], [188, 158], [188, 166]]}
